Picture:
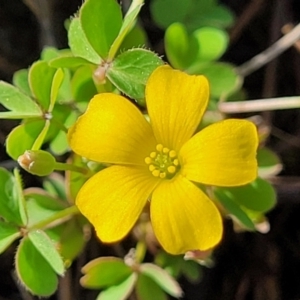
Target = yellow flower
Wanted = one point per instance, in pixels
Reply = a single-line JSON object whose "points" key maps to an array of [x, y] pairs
{"points": [[160, 160]]}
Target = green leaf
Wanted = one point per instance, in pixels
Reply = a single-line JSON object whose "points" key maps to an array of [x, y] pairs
{"points": [[181, 49], [11, 208], [34, 271], [40, 80], [147, 289], [222, 77], [56, 84], [20, 80], [79, 44], [212, 43], [59, 144], [20, 105], [41, 206], [68, 62], [120, 291], [101, 21], [8, 233], [258, 195], [268, 163], [234, 209], [177, 11], [130, 71], [136, 37], [127, 25], [55, 186], [219, 16], [69, 238], [82, 84], [103, 272], [48, 53], [47, 249], [27, 133], [192, 271], [162, 278]]}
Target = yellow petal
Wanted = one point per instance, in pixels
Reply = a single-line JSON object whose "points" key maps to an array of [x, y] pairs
{"points": [[183, 217], [176, 102], [112, 130], [222, 154], [113, 199]]}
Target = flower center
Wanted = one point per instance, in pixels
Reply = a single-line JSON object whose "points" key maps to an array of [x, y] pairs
{"points": [[163, 162]]}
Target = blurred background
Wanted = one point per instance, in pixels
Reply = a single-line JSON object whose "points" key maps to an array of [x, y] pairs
{"points": [[250, 266]]}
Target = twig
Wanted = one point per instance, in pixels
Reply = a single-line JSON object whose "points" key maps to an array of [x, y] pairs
{"points": [[257, 105], [270, 53]]}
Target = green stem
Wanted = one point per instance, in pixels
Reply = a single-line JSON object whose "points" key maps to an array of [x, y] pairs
{"points": [[259, 105], [68, 167], [140, 251], [72, 210]]}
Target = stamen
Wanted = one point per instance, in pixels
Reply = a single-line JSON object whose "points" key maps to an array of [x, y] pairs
{"points": [[148, 160], [171, 169], [163, 163], [155, 173], [166, 150], [172, 153], [153, 154], [151, 168], [159, 147], [162, 175], [176, 162]]}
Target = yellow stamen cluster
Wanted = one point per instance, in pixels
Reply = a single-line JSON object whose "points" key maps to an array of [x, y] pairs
{"points": [[163, 162]]}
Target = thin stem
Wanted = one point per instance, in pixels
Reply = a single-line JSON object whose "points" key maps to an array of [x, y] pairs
{"points": [[270, 53], [68, 167], [61, 215], [259, 105]]}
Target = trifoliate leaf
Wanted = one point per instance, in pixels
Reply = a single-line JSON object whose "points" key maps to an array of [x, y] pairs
{"points": [[8, 233], [47, 249], [34, 271], [162, 278], [130, 71], [101, 21], [104, 272]]}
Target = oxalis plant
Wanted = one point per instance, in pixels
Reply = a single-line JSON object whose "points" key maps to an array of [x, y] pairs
{"points": [[132, 144]]}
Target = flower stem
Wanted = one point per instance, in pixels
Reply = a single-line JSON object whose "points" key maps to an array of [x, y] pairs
{"points": [[140, 251], [259, 105], [59, 217], [69, 167]]}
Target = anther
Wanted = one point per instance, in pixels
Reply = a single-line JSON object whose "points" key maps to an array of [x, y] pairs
{"points": [[156, 173], [151, 168], [153, 154], [162, 175], [171, 169], [175, 162], [148, 160], [159, 147], [172, 153], [165, 150]]}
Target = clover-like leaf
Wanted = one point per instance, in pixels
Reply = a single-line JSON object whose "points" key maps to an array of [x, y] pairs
{"points": [[20, 105], [11, 199], [120, 291], [101, 21], [47, 249], [162, 278], [79, 44], [34, 271], [104, 272], [130, 71], [8, 233], [147, 289]]}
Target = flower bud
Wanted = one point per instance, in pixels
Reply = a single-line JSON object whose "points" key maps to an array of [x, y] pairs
{"points": [[37, 162]]}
